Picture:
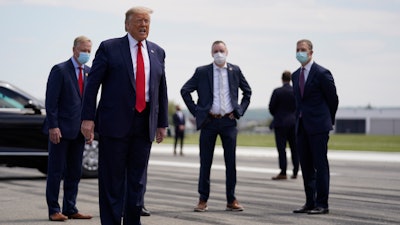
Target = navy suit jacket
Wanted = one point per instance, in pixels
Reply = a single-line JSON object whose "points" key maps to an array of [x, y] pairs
{"points": [[319, 103], [113, 69], [283, 106], [202, 82], [177, 120], [63, 100]]}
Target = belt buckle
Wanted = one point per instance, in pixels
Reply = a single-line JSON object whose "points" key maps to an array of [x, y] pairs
{"points": [[216, 116]]}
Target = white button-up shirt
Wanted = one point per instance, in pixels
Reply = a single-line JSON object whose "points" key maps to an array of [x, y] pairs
{"points": [[222, 99]]}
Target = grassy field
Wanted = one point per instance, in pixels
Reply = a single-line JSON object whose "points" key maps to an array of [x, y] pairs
{"points": [[381, 143]]}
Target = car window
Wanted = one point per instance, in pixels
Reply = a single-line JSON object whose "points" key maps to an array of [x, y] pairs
{"points": [[11, 99]]}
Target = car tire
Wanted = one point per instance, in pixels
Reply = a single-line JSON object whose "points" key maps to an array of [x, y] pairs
{"points": [[90, 160]]}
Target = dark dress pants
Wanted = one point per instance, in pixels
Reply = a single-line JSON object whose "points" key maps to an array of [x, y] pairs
{"points": [[122, 167], [312, 150], [226, 129], [179, 135], [64, 162], [284, 135]]}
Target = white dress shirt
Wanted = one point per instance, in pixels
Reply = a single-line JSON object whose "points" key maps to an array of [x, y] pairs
{"points": [[307, 69], [222, 99], [134, 49]]}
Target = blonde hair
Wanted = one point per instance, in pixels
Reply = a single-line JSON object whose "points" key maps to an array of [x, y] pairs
{"points": [[308, 42], [80, 40], [137, 10]]}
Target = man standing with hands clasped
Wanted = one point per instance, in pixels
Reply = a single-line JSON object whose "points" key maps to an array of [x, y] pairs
{"points": [[132, 112], [282, 107], [216, 111], [316, 106]]}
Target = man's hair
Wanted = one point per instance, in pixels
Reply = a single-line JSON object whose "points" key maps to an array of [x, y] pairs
{"points": [[218, 42], [286, 76], [308, 42], [80, 39], [137, 10]]}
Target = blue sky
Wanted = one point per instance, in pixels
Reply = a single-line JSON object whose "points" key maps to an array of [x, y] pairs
{"points": [[358, 40]]}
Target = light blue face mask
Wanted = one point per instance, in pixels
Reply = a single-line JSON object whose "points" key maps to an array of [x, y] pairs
{"points": [[302, 57], [83, 57]]}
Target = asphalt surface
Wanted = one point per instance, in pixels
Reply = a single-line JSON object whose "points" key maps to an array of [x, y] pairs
{"points": [[365, 189]]}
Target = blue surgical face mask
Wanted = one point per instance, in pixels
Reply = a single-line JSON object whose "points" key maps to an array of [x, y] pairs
{"points": [[83, 57], [302, 57]]}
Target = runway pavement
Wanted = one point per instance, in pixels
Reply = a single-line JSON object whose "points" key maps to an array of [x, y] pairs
{"points": [[365, 189]]}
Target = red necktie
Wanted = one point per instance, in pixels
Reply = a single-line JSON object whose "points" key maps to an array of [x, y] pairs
{"points": [[80, 80], [140, 81], [301, 81]]}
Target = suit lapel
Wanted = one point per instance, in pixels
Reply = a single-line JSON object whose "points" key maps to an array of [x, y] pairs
{"points": [[152, 59], [210, 76], [72, 74], [126, 55], [231, 77], [310, 77], [85, 72]]}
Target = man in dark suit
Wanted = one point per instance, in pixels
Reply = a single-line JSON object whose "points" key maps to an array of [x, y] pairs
{"points": [[179, 123], [63, 118], [132, 112], [282, 107], [316, 105], [216, 111]]}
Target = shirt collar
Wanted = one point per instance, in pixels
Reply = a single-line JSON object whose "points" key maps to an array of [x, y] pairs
{"points": [[217, 67], [75, 63], [133, 42], [308, 65]]}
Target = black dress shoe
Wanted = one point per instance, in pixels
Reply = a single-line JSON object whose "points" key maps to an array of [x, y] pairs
{"points": [[303, 209], [319, 210], [145, 212]]}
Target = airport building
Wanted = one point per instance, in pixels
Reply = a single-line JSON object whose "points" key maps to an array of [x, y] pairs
{"points": [[377, 121]]}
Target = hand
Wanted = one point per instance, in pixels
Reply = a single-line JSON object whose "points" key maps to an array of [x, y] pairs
{"points": [[55, 135], [231, 116], [160, 134], [87, 129]]}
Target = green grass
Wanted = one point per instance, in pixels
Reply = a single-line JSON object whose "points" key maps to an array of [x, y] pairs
{"points": [[382, 143]]}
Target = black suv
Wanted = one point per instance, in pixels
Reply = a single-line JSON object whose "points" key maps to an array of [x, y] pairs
{"points": [[22, 142]]}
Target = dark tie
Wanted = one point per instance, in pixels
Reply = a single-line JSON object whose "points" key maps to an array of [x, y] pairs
{"points": [[301, 81], [140, 81], [80, 80]]}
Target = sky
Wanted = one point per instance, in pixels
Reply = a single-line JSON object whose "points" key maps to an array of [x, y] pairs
{"points": [[357, 40]]}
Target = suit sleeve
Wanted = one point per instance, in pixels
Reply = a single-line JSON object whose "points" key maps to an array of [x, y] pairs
{"points": [[53, 91], [96, 74], [329, 91], [245, 101], [163, 103], [272, 103], [186, 90]]}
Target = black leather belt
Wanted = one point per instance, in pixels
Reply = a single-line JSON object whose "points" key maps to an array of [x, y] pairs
{"points": [[218, 116]]}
